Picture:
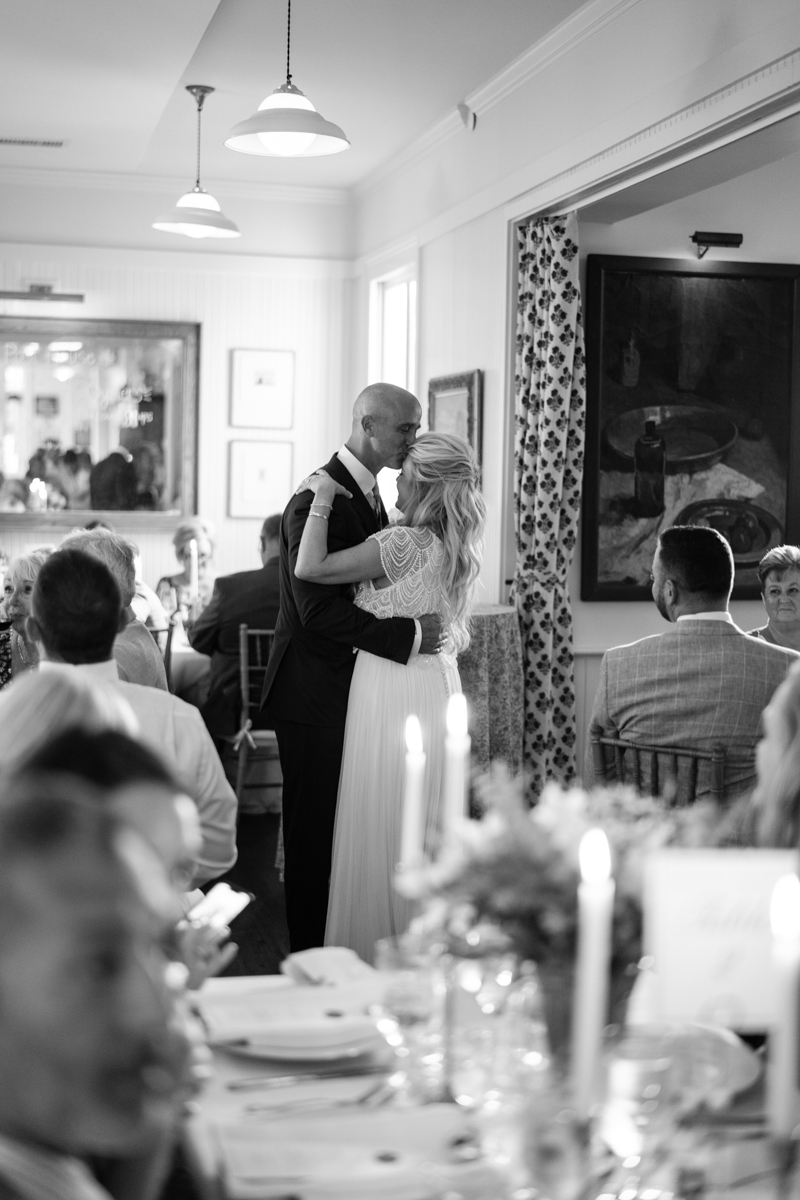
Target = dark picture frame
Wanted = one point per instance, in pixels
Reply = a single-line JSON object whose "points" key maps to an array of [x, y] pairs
{"points": [[455, 405], [693, 413], [180, 424]]}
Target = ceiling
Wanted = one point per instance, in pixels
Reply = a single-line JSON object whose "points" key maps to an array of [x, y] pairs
{"points": [[108, 77]]}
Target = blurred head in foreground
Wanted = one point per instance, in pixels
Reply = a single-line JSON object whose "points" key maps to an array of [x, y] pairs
{"points": [[89, 1060], [141, 791]]}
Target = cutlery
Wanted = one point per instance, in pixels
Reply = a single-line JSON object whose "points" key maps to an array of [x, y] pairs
{"points": [[256, 1082], [375, 1095]]}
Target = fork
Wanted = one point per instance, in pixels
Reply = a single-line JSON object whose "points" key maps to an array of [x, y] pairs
{"points": [[375, 1095]]}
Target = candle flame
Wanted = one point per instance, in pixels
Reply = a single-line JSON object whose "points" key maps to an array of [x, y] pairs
{"points": [[413, 735], [784, 908], [457, 715], [594, 856]]}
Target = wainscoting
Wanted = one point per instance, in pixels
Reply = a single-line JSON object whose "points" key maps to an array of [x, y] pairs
{"points": [[587, 676]]}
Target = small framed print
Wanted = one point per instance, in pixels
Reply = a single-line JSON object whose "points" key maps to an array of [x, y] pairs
{"points": [[259, 478], [455, 405], [262, 388]]}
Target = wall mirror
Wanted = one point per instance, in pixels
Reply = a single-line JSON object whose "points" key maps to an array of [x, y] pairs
{"points": [[97, 417]]}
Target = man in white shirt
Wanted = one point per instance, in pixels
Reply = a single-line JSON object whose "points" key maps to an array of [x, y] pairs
{"points": [[703, 682], [76, 611]]}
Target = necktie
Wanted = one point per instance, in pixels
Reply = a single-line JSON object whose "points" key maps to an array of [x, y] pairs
{"points": [[376, 504]]}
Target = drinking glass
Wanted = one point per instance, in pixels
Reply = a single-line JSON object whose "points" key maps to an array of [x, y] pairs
{"points": [[409, 1016]]}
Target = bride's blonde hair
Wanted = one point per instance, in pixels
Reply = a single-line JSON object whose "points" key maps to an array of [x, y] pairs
{"points": [[447, 499]]}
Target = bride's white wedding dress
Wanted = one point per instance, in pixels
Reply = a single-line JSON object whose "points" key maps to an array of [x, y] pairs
{"points": [[363, 904]]}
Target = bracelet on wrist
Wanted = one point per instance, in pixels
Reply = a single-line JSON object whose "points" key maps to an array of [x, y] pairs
{"points": [[321, 516], [320, 504]]}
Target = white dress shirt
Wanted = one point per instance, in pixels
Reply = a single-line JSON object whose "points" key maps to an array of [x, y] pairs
{"points": [[176, 730], [716, 615], [367, 482]]}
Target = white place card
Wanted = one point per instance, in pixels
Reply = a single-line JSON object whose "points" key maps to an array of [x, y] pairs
{"points": [[706, 924]]}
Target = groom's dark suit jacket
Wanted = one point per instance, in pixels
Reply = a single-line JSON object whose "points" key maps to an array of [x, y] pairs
{"points": [[318, 628]]}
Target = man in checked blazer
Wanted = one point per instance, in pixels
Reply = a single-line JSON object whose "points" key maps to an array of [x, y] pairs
{"points": [[316, 637], [702, 682]]}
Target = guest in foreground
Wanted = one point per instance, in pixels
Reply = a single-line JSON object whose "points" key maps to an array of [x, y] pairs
{"points": [[251, 598], [137, 656], [17, 589], [77, 611], [318, 628], [779, 575], [702, 682], [90, 1058], [428, 562]]}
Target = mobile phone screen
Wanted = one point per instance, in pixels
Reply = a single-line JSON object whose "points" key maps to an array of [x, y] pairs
{"points": [[220, 906]]}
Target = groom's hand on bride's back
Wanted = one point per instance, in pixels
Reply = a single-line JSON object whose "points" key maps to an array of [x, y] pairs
{"points": [[431, 633]]}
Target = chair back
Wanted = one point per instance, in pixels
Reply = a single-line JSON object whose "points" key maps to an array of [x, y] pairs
{"points": [[254, 651], [654, 770]]}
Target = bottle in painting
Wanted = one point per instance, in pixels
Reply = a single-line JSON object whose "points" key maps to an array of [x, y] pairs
{"points": [[649, 467]]}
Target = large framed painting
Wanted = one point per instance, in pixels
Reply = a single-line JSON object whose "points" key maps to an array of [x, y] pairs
{"points": [[693, 414], [455, 405], [97, 417]]}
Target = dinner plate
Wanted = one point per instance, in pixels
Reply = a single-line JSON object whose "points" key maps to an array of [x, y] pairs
{"points": [[283, 1053], [750, 530]]}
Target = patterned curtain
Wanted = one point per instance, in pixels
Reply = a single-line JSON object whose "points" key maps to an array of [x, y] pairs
{"points": [[548, 452]]}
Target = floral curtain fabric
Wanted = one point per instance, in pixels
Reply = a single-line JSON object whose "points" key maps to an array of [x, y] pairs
{"points": [[548, 470]]}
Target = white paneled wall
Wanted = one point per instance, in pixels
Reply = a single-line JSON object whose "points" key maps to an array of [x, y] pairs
{"points": [[462, 293], [276, 304]]}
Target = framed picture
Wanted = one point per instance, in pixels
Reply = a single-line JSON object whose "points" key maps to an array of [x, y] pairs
{"points": [[262, 388], [693, 414], [259, 478], [455, 405]]}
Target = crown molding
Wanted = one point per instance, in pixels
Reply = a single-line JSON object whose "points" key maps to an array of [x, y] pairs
{"points": [[109, 181], [581, 25]]}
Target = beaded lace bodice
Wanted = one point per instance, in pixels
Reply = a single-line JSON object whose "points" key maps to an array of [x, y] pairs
{"points": [[412, 561]]}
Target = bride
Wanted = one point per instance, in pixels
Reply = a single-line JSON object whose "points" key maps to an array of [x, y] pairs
{"points": [[428, 562]]}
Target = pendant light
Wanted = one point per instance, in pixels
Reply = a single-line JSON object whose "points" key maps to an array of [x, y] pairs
{"points": [[286, 124], [197, 214]]}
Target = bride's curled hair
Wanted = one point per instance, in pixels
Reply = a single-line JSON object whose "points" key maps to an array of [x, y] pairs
{"points": [[447, 499]]}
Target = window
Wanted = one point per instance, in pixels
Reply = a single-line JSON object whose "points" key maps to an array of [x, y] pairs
{"points": [[393, 345]]}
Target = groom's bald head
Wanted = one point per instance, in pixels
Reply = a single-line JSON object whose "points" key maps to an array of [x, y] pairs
{"points": [[385, 423]]}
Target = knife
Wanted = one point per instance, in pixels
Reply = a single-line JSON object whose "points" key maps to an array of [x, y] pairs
{"points": [[270, 1081]]}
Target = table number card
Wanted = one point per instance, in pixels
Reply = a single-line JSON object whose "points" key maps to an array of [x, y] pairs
{"points": [[706, 924]]}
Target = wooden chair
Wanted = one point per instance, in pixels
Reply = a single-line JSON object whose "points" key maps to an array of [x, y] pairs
{"points": [[254, 650], [663, 782]]}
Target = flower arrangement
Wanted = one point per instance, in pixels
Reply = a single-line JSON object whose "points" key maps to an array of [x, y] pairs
{"points": [[510, 881]]}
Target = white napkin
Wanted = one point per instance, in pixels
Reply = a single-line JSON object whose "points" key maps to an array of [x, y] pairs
{"points": [[334, 965], [291, 1015], [395, 1154]]}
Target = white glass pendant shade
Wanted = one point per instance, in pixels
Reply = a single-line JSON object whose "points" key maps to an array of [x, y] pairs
{"points": [[197, 214], [287, 125]]}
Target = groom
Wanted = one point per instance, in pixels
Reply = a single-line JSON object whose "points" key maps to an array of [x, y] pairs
{"points": [[316, 636]]}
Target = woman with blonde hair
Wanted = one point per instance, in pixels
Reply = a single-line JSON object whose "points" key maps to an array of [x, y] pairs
{"points": [[428, 562], [17, 652]]}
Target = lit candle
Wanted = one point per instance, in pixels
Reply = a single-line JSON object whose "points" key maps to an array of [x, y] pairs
{"points": [[413, 838], [590, 1004], [194, 578], [456, 762], [782, 1097]]}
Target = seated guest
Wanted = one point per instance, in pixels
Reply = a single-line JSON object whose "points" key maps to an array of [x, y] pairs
{"points": [[138, 657], [90, 1057], [144, 795], [704, 681], [779, 575], [77, 611], [249, 597], [41, 706], [174, 590], [146, 605], [17, 589]]}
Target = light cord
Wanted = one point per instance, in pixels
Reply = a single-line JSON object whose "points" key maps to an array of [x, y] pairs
{"points": [[288, 41]]}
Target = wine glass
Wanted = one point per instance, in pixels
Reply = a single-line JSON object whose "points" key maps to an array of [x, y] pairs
{"points": [[408, 1017]]}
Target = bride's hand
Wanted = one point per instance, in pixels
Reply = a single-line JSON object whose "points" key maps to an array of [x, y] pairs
{"points": [[322, 481]]}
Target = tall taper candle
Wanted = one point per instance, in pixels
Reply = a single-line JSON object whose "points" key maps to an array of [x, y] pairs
{"points": [[783, 1113], [412, 840], [194, 577], [456, 762], [595, 915]]}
